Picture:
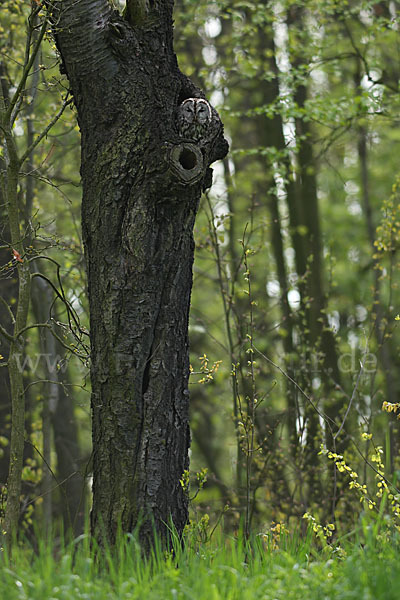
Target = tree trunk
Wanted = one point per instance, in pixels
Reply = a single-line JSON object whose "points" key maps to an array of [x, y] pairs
{"points": [[9, 292], [320, 351], [141, 187], [12, 511]]}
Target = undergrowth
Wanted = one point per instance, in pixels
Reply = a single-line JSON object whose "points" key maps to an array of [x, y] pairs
{"points": [[279, 564]]}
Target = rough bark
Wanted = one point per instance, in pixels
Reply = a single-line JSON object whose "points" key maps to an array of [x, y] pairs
{"points": [[141, 187]]}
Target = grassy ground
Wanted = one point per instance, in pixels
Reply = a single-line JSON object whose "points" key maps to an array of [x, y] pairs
{"points": [[221, 569]]}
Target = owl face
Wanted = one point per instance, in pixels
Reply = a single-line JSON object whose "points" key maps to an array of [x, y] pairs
{"points": [[203, 111], [193, 117], [188, 110]]}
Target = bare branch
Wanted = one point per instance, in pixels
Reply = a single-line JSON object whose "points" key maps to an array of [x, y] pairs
{"points": [[54, 334], [39, 138], [5, 333], [11, 114], [326, 418], [7, 306]]}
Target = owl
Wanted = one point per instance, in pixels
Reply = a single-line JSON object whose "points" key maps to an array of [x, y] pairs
{"points": [[194, 118]]}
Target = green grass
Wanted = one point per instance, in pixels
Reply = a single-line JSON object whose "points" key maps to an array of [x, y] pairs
{"points": [[221, 569]]}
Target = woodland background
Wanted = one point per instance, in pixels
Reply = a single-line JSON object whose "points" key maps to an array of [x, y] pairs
{"points": [[294, 333]]}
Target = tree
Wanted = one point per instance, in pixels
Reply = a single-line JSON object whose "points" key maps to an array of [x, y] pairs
{"points": [[23, 250], [141, 188], [290, 105]]}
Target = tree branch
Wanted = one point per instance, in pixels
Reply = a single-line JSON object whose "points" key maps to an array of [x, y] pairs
{"points": [[11, 113], [7, 307], [136, 11], [81, 31], [45, 131], [5, 333], [54, 334]]}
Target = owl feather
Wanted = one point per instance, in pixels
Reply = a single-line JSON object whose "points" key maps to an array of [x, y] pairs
{"points": [[194, 118]]}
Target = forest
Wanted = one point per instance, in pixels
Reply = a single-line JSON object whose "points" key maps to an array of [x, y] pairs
{"points": [[272, 330]]}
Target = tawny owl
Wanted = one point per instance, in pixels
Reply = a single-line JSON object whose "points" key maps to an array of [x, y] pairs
{"points": [[194, 118]]}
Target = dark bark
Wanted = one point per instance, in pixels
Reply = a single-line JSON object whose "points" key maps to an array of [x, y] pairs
{"points": [[141, 188]]}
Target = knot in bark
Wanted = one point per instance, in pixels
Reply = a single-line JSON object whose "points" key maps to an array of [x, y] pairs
{"points": [[186, 162]]}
